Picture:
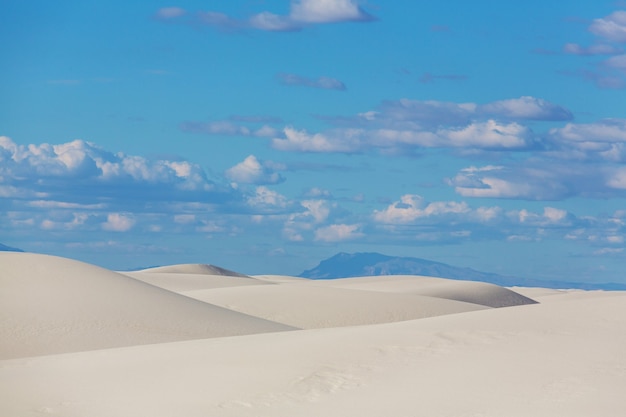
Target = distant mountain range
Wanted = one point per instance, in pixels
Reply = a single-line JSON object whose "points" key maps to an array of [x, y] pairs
{"points": [[344, 265], [5, 248]]}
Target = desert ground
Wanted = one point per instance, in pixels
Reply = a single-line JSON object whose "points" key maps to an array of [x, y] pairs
{"points": [[77, 340]]}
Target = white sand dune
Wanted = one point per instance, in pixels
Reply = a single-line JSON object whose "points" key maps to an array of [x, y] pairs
{"points": [[310, 307], [561, 357], [194, 269], [187, 281], [55, 305], [481, 293]]}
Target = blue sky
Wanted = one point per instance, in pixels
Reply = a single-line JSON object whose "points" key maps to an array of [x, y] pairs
{"points": [[264, 136]]}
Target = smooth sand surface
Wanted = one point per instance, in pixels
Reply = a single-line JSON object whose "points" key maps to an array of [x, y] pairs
{"points": [[563, 356], [179, 282], [311, 307], [55, 305]]}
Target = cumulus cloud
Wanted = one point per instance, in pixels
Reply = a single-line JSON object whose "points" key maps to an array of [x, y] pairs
{"points": [[607, 131], [611, 33], [517, 182], [489, 135], [414, 219], [338, 232], [117, 222], [542, 179], [227, 128], [525, 108], [40, 166], [432, 115], [57, 185], [267, 200], [253, 171], [604, 140], [327, 11], [166, 13], [406, 126], [324, 83], [598, 49], [314, 213], [611, 27], [617, 62], [444, 113], [413, 207], [302, 13], [302, 141]]}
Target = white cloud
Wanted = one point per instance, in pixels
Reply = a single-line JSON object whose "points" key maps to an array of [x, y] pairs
{"points": [[436, 113], [273, 22], [49, 204], [327, 11], [608, 251], [525, 108], [96, 173], [301, 141], [170, 12], [543, 182], [299, 224], [617, 179], [608, 130], [338, 232], [608, 74], [491, 187], [597, 49], [184, 218], [488, 135], [252, 171], [412, 219], [302, 13], [542, 179], [318, 209], [617, 62], [603, 140], [266, 199], [117, 222], [412, 208], [317, 192], [550, 216], [227, 128], [325, 83], [611, 27]]}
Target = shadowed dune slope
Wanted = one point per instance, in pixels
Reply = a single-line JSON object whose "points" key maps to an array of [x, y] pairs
{"points": [[54, 305], [187, 281], [309, 306], [482, 293]]}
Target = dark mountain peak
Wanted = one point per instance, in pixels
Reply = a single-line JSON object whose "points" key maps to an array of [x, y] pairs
{"points": [[5, 248], [344, 265]]}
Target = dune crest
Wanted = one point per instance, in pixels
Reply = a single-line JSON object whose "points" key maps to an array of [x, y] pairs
{"points": [[193, 269]]}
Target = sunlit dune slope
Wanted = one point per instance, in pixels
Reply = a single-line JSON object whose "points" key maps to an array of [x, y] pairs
{"points": [[53, 305]]}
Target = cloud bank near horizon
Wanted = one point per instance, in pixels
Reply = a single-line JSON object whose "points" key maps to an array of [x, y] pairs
{"points": [[77, 187]]}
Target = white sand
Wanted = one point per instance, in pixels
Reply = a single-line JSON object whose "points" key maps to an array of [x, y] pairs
{"points": [[56, 305], [562, 357]]}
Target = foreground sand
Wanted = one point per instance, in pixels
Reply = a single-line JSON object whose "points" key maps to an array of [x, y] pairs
{"points": [[375, 346]]}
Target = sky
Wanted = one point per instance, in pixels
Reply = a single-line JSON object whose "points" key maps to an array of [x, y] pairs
{"points": [[265, 136]]}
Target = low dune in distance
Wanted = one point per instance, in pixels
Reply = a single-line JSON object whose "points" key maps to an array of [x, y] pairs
{"points": [[190, 340]]}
